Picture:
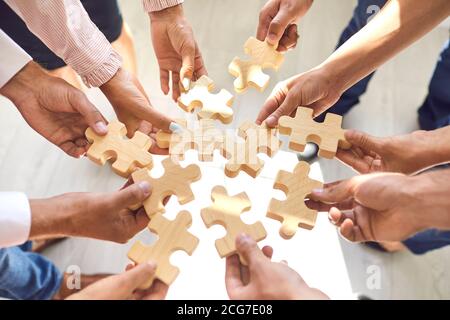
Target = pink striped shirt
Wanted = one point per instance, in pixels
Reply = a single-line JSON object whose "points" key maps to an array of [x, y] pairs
{"points": [[65, 27]]}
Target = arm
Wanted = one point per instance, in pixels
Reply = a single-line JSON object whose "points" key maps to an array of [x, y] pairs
{"points": [[103, 216], [78, 41], [278, 22], [263, 279], [408, 154], [395, 27], [82, 46], [387, 206], [125, 286], [178, 55]]}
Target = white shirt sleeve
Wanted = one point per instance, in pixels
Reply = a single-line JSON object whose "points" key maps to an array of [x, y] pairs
{"points": [[12, 58], [15, 219]]}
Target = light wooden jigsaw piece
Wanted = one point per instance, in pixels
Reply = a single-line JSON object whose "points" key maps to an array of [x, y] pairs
{"points": [[293, 212], [249, 72], [303, 129], [172, 236], [175, 181], [128, 154], [244, 155], [213, 105], [226, 211], [205, 139]]}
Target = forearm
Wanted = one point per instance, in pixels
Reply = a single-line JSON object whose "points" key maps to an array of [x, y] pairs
{"points": [[399, 24], [437, 150], [65, 27], [433, 194], [53, 217]]}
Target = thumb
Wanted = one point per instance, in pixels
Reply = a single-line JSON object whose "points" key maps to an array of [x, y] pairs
{"points": [[137, 276], [364, 141], [286, 108], [249, 251], [277, 27], [335, 193], [136, 193], [90, 113], [187, 69]]}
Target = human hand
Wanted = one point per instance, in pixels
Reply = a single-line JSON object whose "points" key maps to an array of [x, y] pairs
{"points": [[103, 216], [263, 279], [178, 55], [376, 207], [131, 104], [406, 154], [125, 286], [313, 89], [56, 110], [278, 22]]}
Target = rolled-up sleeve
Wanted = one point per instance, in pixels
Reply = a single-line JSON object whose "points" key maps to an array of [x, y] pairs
{"points": [[15, 219], [12, 58], [65, 27], [158, 5]]}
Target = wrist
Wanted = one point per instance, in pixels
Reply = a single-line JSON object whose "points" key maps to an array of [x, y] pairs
{"points": [[332, 78], [429, 193], [168, 13], [439, 145], [23, 84]]}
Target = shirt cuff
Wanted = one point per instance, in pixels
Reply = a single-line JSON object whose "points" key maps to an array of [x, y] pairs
{"points": [[15, 219], [158, 5], [104, 72], [13, 58]]}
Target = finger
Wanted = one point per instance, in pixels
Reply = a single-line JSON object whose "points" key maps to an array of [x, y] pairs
{"points": [[137, 276], [351, 159], [164, 78], [144, 111], [278, 26], [188, 63], [289, 39], [336, 193], [364, 141], [233, 280], [337, 217], [249, 251], [200, 68], [268, 251], [175, 86], [90, 113], [266, 15], [131, 195], [72, 149], [289, 104], [271, 104]]}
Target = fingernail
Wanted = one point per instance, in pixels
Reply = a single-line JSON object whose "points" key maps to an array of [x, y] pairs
{"points": [[152, 264], [243, 238], [272, 38], [145, 187], [175, 128], [100, 127], [186, 82], [318, 191], [271, 120]]}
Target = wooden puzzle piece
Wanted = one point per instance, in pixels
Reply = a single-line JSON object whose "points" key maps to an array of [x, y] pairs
{"points": [[249, 72], [175, 181], [226, 211], [213, 105], [293, 212], [244, 155], [303, 129], [205, 139], [172, 236], [128, 154]]}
